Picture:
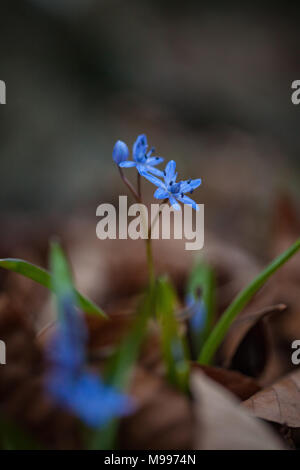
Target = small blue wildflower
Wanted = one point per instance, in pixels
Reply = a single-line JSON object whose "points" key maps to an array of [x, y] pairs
{"points": [[169, 189], [71, 384], [120, 152], [143, 160], [198, 313], [72, 331]]}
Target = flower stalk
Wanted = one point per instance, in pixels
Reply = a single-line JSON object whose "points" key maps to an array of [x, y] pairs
{"points": [[167, 188]]}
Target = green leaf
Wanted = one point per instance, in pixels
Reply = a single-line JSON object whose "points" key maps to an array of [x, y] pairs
{"points": [[43, 277], [62, 284], [173, 346], [216, 337], [202, 286], [61, 278], [120, 367]]}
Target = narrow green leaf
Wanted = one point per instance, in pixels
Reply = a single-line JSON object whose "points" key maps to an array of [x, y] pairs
{"points": [[173, 346], [62, 284], [216, 337], [61, 278], [43, 277]]}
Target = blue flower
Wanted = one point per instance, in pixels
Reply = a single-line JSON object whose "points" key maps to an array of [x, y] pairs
{"points": [[71, 384], [120, 152], [169, 189], [143, 160], [198, 313]]}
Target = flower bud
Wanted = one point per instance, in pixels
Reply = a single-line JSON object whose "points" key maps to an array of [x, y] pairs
{"points": [[120, 152]]}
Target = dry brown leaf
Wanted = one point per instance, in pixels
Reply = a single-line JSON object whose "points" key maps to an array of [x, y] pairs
{"points": [[163, 419], [238, 384], [241, 327], [279, 403], [224, 425]]}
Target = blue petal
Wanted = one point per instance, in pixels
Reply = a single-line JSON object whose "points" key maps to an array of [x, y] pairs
{"points": [[87, 397], [64, 352], [154, 160], [66, 348], [142, 168], [154, 170], [120, 152], [190, 185], [199, 313], [127, 164], [174, 203], [151, 151], [187, 200], [170, 171], [161, 193], [95, 402], [140, 147], [153, 179]]}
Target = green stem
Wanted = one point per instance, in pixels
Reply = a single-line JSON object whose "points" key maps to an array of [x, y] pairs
{"points": [[149, 247], [137, 197], [150, 263], [217, 335]]}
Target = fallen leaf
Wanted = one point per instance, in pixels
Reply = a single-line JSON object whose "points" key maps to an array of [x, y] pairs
{"points": [[163, 419], [279, 403], [221, 424], [238, 384], [241, 327]]}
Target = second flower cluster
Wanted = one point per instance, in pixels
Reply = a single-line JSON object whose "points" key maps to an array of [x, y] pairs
{"points": [[145, 162]]}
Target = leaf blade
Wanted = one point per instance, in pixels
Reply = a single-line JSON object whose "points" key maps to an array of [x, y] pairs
{"points": [[173, 345], [241, 300], [43, 277]]}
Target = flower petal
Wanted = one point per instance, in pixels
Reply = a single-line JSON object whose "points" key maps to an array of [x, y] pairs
{"points": [[151, 151], [190, 185], [161, 193], [95, 402], [170, 171], [87, 396], [154, 160], [174, 203], [153, 179], [187, 200], [127, 164], [155, 171], [139, 147]]}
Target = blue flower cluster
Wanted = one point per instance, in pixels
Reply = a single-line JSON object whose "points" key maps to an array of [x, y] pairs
{"points": [[71, 384], [145, 163]]}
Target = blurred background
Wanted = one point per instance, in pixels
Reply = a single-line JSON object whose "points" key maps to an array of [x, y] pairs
{"points": [[208, 82]]}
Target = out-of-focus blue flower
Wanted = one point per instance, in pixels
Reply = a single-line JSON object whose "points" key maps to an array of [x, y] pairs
{"points": [[143, 160], [169, 189], [87, 396], [71, 384], [198, 313], [120, 152]]}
